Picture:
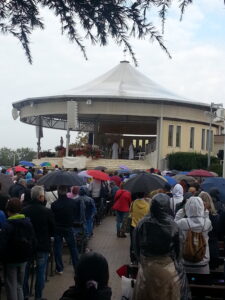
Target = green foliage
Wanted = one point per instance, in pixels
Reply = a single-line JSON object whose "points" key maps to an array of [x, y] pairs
{"points": [[9, 156], [217, 168], [185, 161], [97, 21]]}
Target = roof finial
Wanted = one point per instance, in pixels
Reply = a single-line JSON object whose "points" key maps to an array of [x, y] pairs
{"points": [[124, 56]]}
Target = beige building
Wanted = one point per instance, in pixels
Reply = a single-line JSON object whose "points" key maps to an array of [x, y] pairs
{"points": [[124, 105]]}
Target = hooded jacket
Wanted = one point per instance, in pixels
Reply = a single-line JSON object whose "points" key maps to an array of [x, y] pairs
{"points": [[178, 196], [88, 203], [157, 234], [139, 208], [197, 221]]}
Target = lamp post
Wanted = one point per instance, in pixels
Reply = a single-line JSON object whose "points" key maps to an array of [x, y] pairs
{"points": [[217, 107]]}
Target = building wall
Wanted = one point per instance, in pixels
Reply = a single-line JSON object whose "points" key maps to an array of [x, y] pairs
{"points": [[185, 137]]}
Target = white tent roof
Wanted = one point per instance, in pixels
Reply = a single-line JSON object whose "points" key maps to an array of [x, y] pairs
{"points": [[124, 81]]}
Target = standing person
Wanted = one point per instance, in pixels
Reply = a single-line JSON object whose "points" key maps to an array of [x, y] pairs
{"points": [[44, 226], [95, 190], [138, 209], [89, 208], [211, 212], [177, 198], [17, 246], [115, 150], [18, 188], [121, 206], [156, 243], [195, 222], [65, 212], [131, 151]]}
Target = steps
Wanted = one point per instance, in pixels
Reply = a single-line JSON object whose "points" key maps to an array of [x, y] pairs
{"points": [[110, 164], [113, 164]]}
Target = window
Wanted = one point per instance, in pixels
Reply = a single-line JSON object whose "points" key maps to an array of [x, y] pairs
{"points": [[178, 136], [192, 137], [122, 143], [135, 143], [140, 143], [203, 139], [170, 135]]}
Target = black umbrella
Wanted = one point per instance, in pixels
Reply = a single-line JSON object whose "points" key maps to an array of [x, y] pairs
{"points": [[145, 183], [100, 168], [60, 178]]}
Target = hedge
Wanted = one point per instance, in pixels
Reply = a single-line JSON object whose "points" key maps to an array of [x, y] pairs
{"points": [[186, 161]]}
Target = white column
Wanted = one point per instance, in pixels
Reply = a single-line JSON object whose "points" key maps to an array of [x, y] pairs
{"points": [[159, 141], [67, 141]]}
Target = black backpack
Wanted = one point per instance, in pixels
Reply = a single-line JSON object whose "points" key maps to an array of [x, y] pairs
{"points": [[104, 192], [21, 244]]}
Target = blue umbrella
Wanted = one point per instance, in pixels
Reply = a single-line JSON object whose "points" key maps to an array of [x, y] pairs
{"points": [[26, 163], [184, 172], [171, 180], [215, 182]]}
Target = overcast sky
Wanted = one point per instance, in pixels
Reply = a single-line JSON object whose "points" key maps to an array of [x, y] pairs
{"points": [[196, 70]]}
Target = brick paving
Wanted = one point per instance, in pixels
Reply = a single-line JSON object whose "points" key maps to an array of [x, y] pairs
{"points": [[104, 241]]}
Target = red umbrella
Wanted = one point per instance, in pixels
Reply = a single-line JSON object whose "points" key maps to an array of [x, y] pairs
{"points": [[96, 174], [200, 173], [18, 169]]}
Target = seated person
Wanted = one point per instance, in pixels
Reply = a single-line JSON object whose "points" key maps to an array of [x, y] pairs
{"points": [[91, 279]]}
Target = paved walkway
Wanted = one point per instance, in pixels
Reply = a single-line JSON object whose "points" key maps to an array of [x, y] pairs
{"points": [[105, 242]]}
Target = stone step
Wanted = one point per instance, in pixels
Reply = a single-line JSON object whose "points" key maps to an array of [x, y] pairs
{"points": [[111, 164]]}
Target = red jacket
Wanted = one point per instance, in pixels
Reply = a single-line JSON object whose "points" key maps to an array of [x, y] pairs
{"points": [[122, 201]]}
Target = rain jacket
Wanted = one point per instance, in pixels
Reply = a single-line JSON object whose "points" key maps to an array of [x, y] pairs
{"points": [[122, 201], [160, 276], [139, 208], [198, 222], [89, 204], [178, 196]]}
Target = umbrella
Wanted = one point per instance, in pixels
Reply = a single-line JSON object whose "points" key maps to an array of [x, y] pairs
{"points": [[46, 164], [180, 177], [96, 174], [60, 178], [6, 182], [26, 163], [100, 168], [84, 174], [17, 169], [124, 171], [200, 173], [123, 167], [215, 182], [144, 182], [171, 180]]}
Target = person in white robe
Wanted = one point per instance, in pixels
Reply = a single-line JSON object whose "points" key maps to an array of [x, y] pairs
{"points": [[115, 149], [131, 151]]}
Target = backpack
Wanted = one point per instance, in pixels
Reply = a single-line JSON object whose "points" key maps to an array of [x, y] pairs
{"points": [[104, 192], [21, 244], [194, 246]]}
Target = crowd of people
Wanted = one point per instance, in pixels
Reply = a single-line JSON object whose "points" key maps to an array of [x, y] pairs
{"points": [[173, 231]]}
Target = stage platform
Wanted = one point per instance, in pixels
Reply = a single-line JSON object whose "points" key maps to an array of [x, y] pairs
{"points": [[110, 164]]}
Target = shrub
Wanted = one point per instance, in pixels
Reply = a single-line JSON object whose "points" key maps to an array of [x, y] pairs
{"points": [[189, 160], [217, 168]]}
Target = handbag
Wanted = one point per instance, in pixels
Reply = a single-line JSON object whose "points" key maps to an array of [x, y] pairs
{"points": [[127, 285]]}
